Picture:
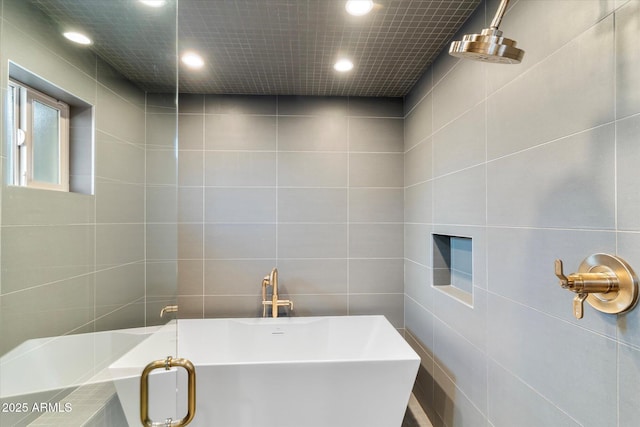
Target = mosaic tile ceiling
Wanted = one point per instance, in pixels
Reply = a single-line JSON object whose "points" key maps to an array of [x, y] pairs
{"points": [[285, 47]]}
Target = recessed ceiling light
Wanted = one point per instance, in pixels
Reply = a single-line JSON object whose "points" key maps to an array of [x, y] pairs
{"points": [[359, 7], [192, 60], [77, 37], [343, 65], [154, 3]]}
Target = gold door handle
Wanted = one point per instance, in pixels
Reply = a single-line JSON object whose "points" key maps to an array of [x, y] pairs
{"points": [[167, 364]]}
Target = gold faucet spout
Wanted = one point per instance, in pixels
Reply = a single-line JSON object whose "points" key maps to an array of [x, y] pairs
{"points": [[168, 309], [273, 279], [275, 302]]}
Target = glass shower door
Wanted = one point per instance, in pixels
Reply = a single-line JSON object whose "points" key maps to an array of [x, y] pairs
{"points": [[85, 273]]}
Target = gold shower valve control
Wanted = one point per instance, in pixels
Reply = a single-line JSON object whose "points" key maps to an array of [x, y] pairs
{"points": [[605, 281]]}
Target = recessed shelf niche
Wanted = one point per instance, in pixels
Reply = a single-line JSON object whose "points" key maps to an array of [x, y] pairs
{"points": [[453, 266]]}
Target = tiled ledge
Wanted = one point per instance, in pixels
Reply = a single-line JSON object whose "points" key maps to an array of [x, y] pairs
{"points": [[94, 405]]}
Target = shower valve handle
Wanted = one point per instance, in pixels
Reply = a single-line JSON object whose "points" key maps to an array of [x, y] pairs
{"points": [[567, 283], [584, 284], [578, 305], [605, 281], [587, 282]]}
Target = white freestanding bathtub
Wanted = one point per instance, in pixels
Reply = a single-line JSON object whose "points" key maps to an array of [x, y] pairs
{"points": [[346, 371]]}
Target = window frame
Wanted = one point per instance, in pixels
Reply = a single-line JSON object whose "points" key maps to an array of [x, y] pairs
{"points": [[24, 97]]}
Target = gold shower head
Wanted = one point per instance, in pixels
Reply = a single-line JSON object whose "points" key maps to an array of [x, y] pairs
{"points": [[489, 45]]}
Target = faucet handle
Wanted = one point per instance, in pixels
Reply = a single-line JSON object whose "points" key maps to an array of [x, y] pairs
{"points": [[564, 281], [283, 303], [578, 305], [605, 281]]}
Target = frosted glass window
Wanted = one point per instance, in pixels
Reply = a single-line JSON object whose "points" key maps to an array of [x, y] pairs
{"points": [[11, 126], [46, 143], [40, 135]]}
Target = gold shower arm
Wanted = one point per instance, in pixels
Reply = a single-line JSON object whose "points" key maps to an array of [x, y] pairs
{"points": [[497, 19]]}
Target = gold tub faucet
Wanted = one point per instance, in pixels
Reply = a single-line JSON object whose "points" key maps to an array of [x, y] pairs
{"points": [[168, 309], [275, 302]]}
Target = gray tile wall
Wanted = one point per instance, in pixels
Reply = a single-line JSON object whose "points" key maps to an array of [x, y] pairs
{"points": [[313, 186], [535, 162], [161, 198], [75, 262]]}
